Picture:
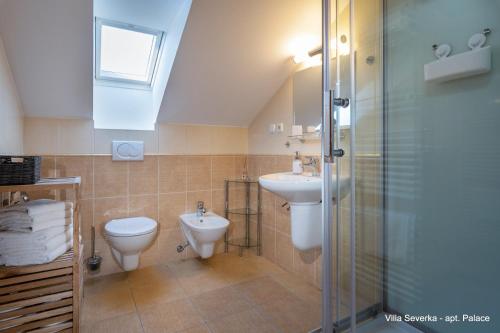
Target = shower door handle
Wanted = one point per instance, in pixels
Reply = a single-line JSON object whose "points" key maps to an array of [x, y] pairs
{"points": [[330, 151]]}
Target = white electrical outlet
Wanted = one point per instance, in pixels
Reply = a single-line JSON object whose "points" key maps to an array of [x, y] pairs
{"points": [[272, 128]]}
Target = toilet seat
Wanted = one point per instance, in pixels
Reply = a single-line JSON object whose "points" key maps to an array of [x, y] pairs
{"points": [[129, 227]]}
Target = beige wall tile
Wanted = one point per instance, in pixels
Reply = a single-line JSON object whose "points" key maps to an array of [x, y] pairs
{"points": [[150, 255], [240, 166], [143, 176], [283, 222], [86, 222], [269, 243], [268, 207], [82, 166], [172, 174], [168, 240], [218, 202], [284, 163], [284, 251], [194, 197], [223, 167], [199, 173], [267, 164], [106, 209], [143, 205], [171, 206], [110, 177]]}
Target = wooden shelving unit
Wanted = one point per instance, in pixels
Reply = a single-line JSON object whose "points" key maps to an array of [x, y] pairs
{"points": [[44, 298]]}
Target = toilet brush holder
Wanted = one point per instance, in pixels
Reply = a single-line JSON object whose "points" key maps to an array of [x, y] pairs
{"points": [[93, 262]]}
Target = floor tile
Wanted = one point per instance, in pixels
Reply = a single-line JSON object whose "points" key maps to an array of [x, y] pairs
{"points": [[196, 276], [262, 290], [236, 269], [129, 323], [292, 315], [105, 299], [170, 317], [244, 322], [154, 285], [220, 302]]}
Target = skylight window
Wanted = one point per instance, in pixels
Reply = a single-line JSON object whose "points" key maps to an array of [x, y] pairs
{"points": [[126, 53]]}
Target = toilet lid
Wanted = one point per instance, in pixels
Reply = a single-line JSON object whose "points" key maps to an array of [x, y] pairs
{"points": [[133, 226]]}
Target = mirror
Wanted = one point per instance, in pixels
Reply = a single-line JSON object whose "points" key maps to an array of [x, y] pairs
{"points": [[307, 100]]}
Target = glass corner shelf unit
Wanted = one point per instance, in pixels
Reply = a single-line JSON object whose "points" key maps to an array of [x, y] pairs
{"points": [[247, 211]]}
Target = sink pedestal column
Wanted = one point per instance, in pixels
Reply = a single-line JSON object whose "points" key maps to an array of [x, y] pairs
{"points": [[306, 226]]}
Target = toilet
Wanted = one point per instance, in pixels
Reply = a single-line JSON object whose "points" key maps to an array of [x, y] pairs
{"points": [[203, 231], [128, 237]]}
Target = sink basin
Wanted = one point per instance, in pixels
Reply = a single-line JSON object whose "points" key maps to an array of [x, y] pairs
{"points": [[299, 188], [303, 193]]}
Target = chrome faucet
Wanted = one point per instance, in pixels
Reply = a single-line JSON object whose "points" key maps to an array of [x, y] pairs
{"points": [[312, 162], [200, 208]]}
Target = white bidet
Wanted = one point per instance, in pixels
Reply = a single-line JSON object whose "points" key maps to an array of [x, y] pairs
{"points": [[203, 231]]}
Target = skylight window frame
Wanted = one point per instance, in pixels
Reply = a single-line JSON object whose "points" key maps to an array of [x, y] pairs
{"points": [[115, 79]]}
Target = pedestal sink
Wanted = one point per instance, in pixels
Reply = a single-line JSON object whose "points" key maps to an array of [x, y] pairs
{"points": [[303, 193]]}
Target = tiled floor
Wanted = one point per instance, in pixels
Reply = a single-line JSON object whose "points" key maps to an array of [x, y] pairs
{"points": [[226, 293]]}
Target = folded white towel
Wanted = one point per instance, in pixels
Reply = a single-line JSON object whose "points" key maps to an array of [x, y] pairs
{"points": [[10, 238], [36, 258], [15, 221], [51, 243], [39, 206], [40, 226]]}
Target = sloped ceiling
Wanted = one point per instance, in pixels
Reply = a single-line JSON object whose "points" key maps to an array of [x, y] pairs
{"points": [[234, 55], [49, 47]]}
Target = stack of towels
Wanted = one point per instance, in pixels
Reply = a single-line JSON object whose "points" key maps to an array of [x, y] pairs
{"points": [[35, 232]]}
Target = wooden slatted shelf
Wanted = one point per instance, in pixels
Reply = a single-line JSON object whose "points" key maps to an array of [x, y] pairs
{"points": [[44, 298]]}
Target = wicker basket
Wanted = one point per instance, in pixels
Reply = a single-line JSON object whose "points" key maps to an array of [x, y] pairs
{"points": [[19, 170]]}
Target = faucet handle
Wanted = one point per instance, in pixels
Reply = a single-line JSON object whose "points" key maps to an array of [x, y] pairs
{"points": [[200, 204]]}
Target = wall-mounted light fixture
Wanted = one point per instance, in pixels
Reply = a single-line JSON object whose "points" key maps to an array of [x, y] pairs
{"points": [[313, 57]]}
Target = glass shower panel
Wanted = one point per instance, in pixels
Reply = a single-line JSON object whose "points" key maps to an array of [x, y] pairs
{"points": [[443, 175], [367, 158]]}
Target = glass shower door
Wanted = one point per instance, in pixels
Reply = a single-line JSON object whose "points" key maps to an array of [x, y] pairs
{"points": [[355, 87], [337, 283], [418, 232]]}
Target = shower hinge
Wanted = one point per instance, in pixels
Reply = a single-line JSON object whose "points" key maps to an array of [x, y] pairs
{"points": [[338, 152]]}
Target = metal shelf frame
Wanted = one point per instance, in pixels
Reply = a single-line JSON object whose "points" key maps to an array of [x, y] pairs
{"points": [[246, 242]]}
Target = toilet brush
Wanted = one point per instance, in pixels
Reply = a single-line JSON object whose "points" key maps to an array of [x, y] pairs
{"points": [[94, 262]]}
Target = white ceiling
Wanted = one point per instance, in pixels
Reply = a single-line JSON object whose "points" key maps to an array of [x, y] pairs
{"points": [[233, 57], [49, 47]]}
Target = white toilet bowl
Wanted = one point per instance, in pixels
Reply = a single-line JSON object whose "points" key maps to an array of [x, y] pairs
{"points": [[128, 237], [203, 231]]}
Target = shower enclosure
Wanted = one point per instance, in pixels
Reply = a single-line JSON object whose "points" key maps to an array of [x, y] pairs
{"points": [[415, 244]]}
